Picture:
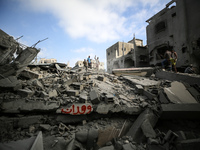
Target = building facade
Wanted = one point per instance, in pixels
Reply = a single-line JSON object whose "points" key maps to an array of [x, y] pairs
{"points": [[176, 27], [127, 55]]}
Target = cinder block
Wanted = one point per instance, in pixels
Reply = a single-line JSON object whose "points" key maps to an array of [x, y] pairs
{"points": [[139, 89], [72, 92], [101, 78]]}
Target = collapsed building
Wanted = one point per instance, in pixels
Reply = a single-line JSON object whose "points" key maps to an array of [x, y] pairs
{"points": [[127, 55], [51, 106], [175, 27]]}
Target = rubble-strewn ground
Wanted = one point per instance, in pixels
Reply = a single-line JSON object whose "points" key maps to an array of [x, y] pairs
{"points": [[76, 109]]}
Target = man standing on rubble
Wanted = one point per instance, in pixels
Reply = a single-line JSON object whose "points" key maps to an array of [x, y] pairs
{"points": [[89, 62], [166, 61], [85, 63], [173, 59]]}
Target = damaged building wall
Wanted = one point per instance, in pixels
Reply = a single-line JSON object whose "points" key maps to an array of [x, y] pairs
{"points": [[177, 27], [117, 58]]}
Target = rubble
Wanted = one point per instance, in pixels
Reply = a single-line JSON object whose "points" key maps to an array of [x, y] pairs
{"points": [[79, 109]]}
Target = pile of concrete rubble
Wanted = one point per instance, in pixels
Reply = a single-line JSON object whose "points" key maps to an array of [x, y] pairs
{"points": [[50, 106]]}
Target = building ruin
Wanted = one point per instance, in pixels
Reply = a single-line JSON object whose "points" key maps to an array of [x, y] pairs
{"points": [[127, 55], [175, 27]]}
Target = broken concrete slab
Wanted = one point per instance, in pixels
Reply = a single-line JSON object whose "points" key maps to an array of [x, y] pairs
{"points": [[23, 106], [38, 143], [30, 74], [194, 93], [37, 83], [25, 92], [103, 108], [191, 79], [129, 146], [182, 111], [162, 98], [135, 131], [18, 144], [111, 147], [190, 144], [147, 129], [11, 83], [178, 93], [81, 136], [145, 82], [91, 138]]}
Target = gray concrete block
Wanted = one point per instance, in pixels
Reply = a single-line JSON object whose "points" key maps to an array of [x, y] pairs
{"points": [[53, 93], [148, 130], [109, 98], [139, 89], [135, 131], [180, 111], [101, 78], [83, 98], [94, 97]]}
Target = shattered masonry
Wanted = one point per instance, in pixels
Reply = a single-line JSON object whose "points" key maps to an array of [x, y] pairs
{"points": [[51, 106]]}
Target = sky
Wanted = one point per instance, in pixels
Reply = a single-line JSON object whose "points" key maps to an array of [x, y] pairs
{"points": [[77, 29]]}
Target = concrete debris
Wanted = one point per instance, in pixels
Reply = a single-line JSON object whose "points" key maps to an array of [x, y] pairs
{"points": [[79, 109]]}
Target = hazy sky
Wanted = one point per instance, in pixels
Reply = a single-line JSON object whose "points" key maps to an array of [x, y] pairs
{"points": [[77, 28]]}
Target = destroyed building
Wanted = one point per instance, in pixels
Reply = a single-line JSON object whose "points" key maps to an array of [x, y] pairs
{"points": [[46, 61], [175, 27], [127, 55]]}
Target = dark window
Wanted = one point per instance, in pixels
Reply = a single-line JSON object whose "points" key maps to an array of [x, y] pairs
{"points": [[143, 58], [174, 14], [108, 53], [184, 49], [160, 27]]}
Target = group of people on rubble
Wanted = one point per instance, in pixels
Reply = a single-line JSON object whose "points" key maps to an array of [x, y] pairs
{"points": [[88, 63], [169, 62]]}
